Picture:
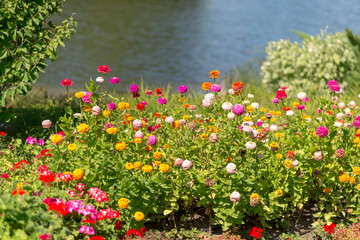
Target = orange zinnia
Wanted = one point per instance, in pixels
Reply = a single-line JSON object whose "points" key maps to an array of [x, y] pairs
{"points": [[157, 114], [206, 86], [214, 74], [186, 105], [237, 86]]}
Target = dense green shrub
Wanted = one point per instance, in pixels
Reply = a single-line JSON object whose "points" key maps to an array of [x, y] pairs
{"points": [[309, 65]]}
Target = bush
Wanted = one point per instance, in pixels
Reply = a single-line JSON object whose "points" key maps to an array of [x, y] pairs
{"points": [[27, 41], [309, 65]]}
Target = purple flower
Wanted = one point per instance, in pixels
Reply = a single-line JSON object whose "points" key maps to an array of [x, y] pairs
{"points": [[322, 131], [144, 103], [152, 140], [238, 109], [259, 123], [114, 80], [182, 89], [41, 142], [275, 101], [134, 88], [111, 107], [215, 88], [162, 101], [31, 140], [87, 230]]}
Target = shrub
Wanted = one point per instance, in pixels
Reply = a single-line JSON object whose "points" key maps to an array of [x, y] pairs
{"points": [[308, 65], [27, 41]]}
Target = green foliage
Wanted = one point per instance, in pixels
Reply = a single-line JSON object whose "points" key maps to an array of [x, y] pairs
{"points": [[309, 65], [355, 74], [27, 41], [25, 217]]}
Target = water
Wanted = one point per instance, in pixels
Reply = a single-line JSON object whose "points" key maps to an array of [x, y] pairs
{"points": [[180, 41]]}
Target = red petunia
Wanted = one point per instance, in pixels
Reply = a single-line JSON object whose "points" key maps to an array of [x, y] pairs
{"points": [[329, 228], [255, 232]]}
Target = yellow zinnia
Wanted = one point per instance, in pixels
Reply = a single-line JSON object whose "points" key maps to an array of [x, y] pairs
{"points": [[123, 203], [83, 128]]}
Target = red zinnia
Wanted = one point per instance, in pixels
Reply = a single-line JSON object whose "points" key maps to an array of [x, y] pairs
{"points": [[286, 109], [255, 232], [140, 107], [104, 69], [329, 228], [2, 133], [281, 94]]}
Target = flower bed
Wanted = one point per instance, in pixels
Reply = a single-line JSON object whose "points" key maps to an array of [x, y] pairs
{"points": [[121, 162]]}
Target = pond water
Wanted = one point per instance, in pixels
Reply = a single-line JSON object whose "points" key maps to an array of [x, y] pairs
{"points": [[180, 41]]}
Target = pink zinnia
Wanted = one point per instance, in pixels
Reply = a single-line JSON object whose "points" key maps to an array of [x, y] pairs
{"points": [[149, 92], [182, 89], [284, 88], [152, 140], [162, 101], [104, 69], [134, 88], [300, 107], [275, 101], [111, 107], [322, 131], [334, 88], [114, 80], [215, 88], [238, 109], [67, 82], [332, 82], [305, 99]]}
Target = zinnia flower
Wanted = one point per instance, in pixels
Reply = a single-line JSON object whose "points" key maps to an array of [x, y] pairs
{"points": [[322, 131], [214, 74], [182, 89], [281, 94], [187, 164], [114, 80], [134, 88], [67, 83], [104, 69], [215, 88], [162, 101], [235, 197]]}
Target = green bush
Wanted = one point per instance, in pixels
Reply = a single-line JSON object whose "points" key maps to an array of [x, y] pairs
{"points": [[308, 65], [27, 40]]}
